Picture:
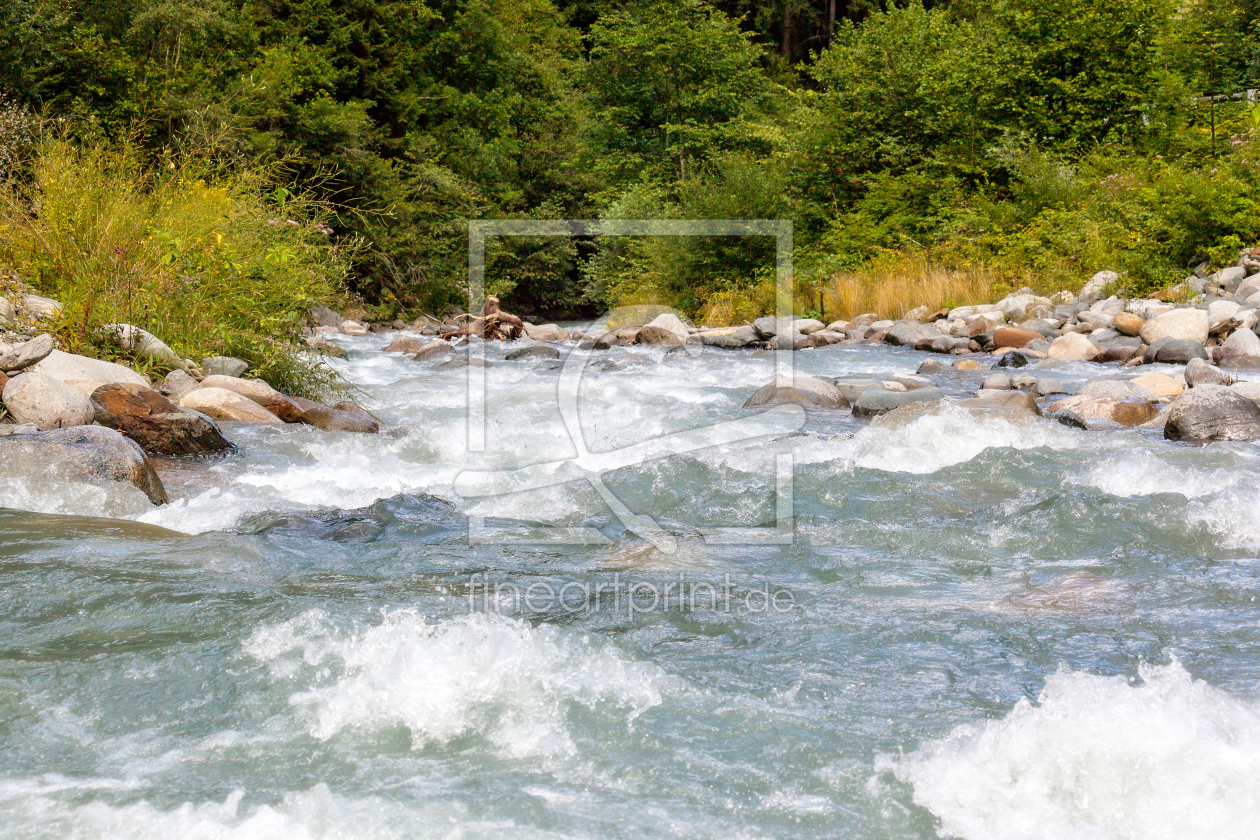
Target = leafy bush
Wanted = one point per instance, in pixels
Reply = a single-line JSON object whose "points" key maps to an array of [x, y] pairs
{"points": [[210, 262]]}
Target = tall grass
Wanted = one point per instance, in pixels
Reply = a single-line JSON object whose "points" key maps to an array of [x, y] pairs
{"points": [[211, 262], [893, 284]]}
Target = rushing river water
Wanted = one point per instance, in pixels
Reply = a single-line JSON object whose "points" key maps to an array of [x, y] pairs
{"points": [[980, 628]]}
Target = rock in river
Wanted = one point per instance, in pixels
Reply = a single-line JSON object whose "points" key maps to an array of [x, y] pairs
{"points": [[1213, 412], [222, 404], [872, 403], [46, 402], [800, 390], [156, 423], [88, 452]]}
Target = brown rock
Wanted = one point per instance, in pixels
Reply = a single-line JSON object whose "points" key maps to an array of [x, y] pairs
{"points": [[405, 344], [260, 392], [335, 420], [1127, 323], [4, 380], [154, 422], [1014, 337], [968, 364], [1125, 412], [657, 336], [1159, 384]]}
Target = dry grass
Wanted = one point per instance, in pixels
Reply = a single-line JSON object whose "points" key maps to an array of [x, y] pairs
{"points": [[893, 285]]}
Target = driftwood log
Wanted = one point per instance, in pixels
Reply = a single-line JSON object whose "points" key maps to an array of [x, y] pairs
{"points": [[493, 324]]}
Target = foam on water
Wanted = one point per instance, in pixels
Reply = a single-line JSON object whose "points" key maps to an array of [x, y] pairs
{"points": [[1099, 758], [35, 810], [480, 675]]}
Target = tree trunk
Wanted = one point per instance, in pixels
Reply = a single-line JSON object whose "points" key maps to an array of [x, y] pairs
{"points": [[786, 47]]}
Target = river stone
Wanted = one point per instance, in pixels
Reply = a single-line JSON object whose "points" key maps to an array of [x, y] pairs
{"points": [[658, 336], [1159, 384], [48, 403], [224, 366], [433, 350], [1068, 417], [334, 420], [1125, 412], [1222, 310], [931, 366], [535, 351], [22, 356], [405, 344], [543, 332], [156, 423], [1213, 412], [352, 328], [800, 390], [825, 338], [1119, 351], [222, 404], [909, 333], [1240, 350], [1183, 324], [1199, 372], [1127, 323], [323, 316], [41, 308], [910, 381], [1072, 347], [972, 364], [319, 345], [140, 343], [851, 389], [996, 382], [872, 403], [1250, 390], [260, 392], [1010, 404], [1047, 387], [807, 326], [464, 360], [1012, 359], [1174, 351], [1116, 389], [91, 452], [90, 373], [770, 326], [176, 384], [672, 323], [1015, 337], [788, 341]]}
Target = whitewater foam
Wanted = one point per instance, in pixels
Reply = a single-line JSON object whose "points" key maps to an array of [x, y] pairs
{"points": [[479, 675], [1099, 758]]}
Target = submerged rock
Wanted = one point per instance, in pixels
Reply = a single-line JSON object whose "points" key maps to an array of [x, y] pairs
{"points": [[872, 403], [335, 420], [156, 423], [536, 351], [800, 390], [89, 452], [1126, 412]]}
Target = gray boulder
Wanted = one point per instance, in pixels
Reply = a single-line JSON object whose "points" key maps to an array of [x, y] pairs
{"points": [[1240, 350], [22, 356], [1116, 389], [996, 382], [140, 343], [434, 350], [1199, 372], [872, 403], [46, 402], [1174, 351], [324, 317], [1185, 324], [909, 333], [1213, 412], [800, 390], [94, 453], [536, 351], [769, 326], [85, 374], [224, 366], [851, 389]]}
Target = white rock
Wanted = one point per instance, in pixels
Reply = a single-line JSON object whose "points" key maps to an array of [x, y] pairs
{"points": [[1093, 290], [222, 404], [1220, 310], [66, 367], [542, 332], [352, 328], [6, 310], [41, 307], [807, 326], [1072, 347], [26, 354], [141, 343], [1189, 324], [48, 403], [672, 323], [838, 326]]}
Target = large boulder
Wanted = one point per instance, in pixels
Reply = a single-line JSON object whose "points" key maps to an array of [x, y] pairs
{"points": [[434, 350], [1015, 337], [1097, 286], [657, 336], [1072, 347], [729, 338], [1118, 389], [1240, 350], [672, 323], [1183, 324], [224, 366], [46, 402], [259, 392], [769, 326], [872, 403], [851, 389], [222, 404], [1177, 351], [21, 356], [140, 343], [542, 332], [807, 326], [405, 344], [335, 420], [1213, 412], [156, 423], [1199, 372], [909, 333], [1125, 412], [800, 390], [89, 374], [94, 453], [322, 316], [1127, 323]]}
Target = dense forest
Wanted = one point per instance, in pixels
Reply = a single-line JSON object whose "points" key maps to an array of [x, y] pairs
{"points": [[991, 143]]}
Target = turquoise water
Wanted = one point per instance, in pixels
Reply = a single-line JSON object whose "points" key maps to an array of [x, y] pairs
{"points": [[980, 629]]}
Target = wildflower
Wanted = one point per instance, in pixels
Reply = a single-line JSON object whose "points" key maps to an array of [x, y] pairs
{"points": [[118, 251]]}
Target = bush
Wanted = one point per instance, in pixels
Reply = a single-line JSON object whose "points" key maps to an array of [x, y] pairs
{"points": [[210, 262]]}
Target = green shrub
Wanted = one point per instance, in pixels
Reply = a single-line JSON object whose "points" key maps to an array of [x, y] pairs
{"points": [[210, 262]]}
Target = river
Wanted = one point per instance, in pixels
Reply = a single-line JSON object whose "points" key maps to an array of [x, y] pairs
{"points": [[982, 629]]}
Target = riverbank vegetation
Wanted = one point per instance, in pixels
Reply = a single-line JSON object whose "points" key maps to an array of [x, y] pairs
{"points": [[217, 164]]}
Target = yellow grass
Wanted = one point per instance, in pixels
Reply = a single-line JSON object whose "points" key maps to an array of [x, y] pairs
{"points": [[895, 284]]}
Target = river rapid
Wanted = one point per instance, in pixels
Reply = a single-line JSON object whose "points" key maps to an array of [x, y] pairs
{"points": [[974, 628]]}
